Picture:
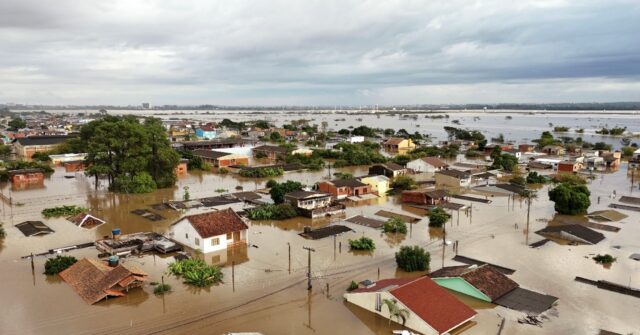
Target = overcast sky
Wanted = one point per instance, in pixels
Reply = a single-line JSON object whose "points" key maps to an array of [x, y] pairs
{"points": [[318, 52]]}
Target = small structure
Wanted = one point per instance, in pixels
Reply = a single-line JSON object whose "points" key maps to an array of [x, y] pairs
{"points": [[73, 166], [398, 144], [427, 164], [342, 188], [379, 184], [85, 220], [270, 151], [390, 170], [607, 215], [365, 221], [221, 159], [313, 204], [453, 178], [59, 160], [611, 159], [25, 147], [211, 231], [572, 232], [94, 280], [27, 176], [34, 228], [553, 150], [405, 218], [431, 309], [135, 243], [481, 282], [569, 166], [425, 197], [206, 132]]}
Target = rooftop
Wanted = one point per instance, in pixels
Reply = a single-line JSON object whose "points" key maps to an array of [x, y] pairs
{"points": [[216, 223], [485, 278]]}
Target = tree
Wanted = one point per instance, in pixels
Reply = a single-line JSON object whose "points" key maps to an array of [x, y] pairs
{"points": [[438, 217], [403, 183], [185, 195], [395, 225], [535, 178], [402, 159], [570, 199], [518, 180], [17, 124], [413, 259], [162, 160], [275, 136], [395, 311], [363, 243], [58, 264], [278, 190]]}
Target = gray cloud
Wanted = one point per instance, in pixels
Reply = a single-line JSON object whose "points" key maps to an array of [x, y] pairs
{"points": [[318, 52]]}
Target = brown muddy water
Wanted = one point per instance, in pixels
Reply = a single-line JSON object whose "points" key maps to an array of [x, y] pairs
{"points": [[268, 293]]}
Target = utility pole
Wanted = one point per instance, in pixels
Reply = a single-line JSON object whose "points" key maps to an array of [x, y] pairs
{"points": [[444, 243], [289, 244], [309, 266], [233, 275]]}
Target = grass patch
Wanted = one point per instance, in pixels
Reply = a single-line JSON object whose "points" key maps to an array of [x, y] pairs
{"points": [[62, 211], [196, 272]]}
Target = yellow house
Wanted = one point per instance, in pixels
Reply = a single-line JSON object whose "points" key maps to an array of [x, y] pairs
{"points": [[379, 184], [399, 144]]}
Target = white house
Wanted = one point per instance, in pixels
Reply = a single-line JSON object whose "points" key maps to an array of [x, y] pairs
{"points": [[211, 231], [356, 139], [432, 309], [427, 164]]}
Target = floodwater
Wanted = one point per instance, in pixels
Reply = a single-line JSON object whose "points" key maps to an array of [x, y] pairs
{"points": [[263, 291], [519, 126]]}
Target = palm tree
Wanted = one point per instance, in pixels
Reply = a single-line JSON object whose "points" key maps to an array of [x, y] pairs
{"points": [[530, 195], [395, 311]]}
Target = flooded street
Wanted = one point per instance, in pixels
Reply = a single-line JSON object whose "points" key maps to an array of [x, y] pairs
{"points": [[263, 291]]}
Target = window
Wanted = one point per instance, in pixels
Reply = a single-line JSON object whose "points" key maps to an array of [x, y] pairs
{"points": [[197, 241], [186, 235], [229, 236], [215, 241]]}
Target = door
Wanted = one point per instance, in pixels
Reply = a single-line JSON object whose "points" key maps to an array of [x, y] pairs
{"points": [[236, 236]]}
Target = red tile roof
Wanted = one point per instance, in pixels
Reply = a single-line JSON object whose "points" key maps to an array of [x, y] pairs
{"points": [[435, 162], [394, 141], [216, 223], [433, 304]]}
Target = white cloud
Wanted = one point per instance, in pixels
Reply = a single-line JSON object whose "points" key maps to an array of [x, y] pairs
{"points": [[318, 52]]}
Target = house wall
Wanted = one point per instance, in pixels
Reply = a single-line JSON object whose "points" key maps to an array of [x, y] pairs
{"points": [[222, 162], [419, 165], [380, 187], [567, 167], [462, 286], [444, 180], [336, 192], [29, 178], [311, 203], [367, 300]]}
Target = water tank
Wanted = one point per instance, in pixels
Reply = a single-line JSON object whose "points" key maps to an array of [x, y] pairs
{"points": [[113, 261]]}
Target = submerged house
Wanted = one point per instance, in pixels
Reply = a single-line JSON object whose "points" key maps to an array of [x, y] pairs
{"points": [[221, 159], [85, 220], [453, 178], [271, 152], [379, 184], [425, 197], [573, 233], [94, 280], [342, 188], [427, 164], [398, 144], [211, 231], [313, 204], [390, 170], [432, 309]]}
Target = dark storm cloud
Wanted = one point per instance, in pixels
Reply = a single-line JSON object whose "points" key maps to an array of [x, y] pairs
{"points": [[317, 52]]}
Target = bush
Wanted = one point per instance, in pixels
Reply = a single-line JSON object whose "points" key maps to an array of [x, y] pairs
{"points": [[271, 183], [413, 259], [363, 243], [262, 172], [62, 211], [570, 199], [395, 225], [278, 190], [196, 272], [272, 212], [162, 289], [58, 264], [403, 183], [438, 217], [2, 232], [535, 178], [352, 286], [604, 259], [568, 178], [472, 153], [223, 171]]}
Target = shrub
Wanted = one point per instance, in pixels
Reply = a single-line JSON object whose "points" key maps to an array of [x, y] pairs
{"points": [[363, 243], [403, 183], [62, 211], [413, 259], [272, 212], [352, 286], [560, 129], [472, 153], [278, 190], [58, 264], [2, 232], [535, 178], [395, 225], [568, 178], [223, 171], [162, 289], [438, 217], [570, 199], [262, 172], [604, 259], [271, 183], [196, 272]]}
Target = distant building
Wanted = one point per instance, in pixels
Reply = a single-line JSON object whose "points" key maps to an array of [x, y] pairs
{"points": [[390, 170], [145, 105], [26, 176], [425, 197], [271, 152], [379, 184], [342, 188], [221, 159], [313, 204], [427, 164], [25, 147], [206, 132], [453, 178], [398, 144]]}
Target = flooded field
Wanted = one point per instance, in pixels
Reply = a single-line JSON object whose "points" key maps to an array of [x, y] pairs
{"points": [[263, 291]]}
